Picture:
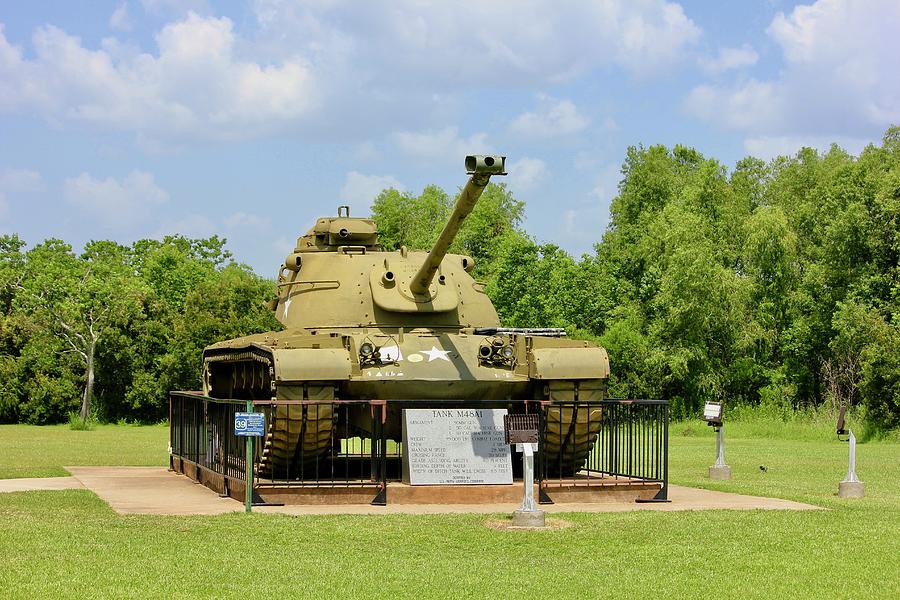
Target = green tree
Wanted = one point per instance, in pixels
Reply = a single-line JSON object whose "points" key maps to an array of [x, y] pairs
{"points": [[80, 298]]}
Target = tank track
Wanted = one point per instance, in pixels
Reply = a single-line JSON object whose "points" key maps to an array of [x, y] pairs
{"points": [[569, 436], [296, 435]]}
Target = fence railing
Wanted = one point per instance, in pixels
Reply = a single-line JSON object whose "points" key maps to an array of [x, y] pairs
{"points": [[605, 441], [345, 443], [201, 431]]}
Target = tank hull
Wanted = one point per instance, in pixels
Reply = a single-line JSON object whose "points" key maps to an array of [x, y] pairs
{"points": [[431, 367]]}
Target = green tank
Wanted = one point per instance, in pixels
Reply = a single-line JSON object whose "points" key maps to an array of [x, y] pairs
{"points": [[363, 323]]}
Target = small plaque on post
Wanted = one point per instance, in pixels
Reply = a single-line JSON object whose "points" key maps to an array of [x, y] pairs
{"points": [[249, 424], [712, 413], [521, 429]]}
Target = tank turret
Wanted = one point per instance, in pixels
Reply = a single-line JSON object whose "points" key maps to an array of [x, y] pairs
{"points": [[391, 288]]}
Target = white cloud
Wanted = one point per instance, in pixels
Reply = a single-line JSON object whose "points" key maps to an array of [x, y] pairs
{"points": [[20, 180], [17, 181], [837, 80], [122, 204], [283, 245], [360, 190], [526, 173], [607, 183], [365, 151], [196, 86], [243, 221], [754, 105], [552, 118], [473, 42], [583, 225], [730, 58], [442, 143], [175, 7], [768, 147], [192, 226], [327, 68], [120, 19]]}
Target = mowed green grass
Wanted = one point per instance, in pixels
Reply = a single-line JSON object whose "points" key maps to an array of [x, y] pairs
{"points": [[32, 451], [70, 544]]}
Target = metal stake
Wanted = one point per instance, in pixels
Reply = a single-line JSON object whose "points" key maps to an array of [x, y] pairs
{"points": [[528, 477], [720, 470], [851, 486], [851, 470], [528, 514], [720, 446], [249, 443]]}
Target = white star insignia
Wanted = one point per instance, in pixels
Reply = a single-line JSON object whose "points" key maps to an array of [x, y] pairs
{"points": [[436, 353]]}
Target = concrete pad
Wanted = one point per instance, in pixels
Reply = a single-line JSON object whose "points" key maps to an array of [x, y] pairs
{"points": [[152, 491], [157, 491], [851, 489], [38, 484]]}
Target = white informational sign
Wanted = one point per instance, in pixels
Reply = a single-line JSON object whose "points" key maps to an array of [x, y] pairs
{"points": [[455, 446], [712, 411]]}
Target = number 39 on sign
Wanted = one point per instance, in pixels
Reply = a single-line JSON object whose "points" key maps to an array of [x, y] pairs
{"points": [[251, 424]]}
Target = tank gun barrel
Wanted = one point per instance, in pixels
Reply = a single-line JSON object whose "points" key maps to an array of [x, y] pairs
{"points": [[480, 168]]}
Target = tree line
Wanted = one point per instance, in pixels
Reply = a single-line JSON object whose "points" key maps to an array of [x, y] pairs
{"points": [[108, 332], [774, 283]]}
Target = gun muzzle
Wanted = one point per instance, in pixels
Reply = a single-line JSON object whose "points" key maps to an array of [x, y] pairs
{"points": [[487, 164]]}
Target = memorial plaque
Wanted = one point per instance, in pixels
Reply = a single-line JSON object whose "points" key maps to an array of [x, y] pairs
{"points": [[455, 446]]}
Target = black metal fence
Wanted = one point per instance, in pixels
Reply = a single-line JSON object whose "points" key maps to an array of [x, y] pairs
{"points": [[201, 431], [350, 443], [605, 442]]}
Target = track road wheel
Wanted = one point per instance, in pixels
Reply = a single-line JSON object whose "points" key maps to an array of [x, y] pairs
{"points": [[296, 438], [570, 431]]}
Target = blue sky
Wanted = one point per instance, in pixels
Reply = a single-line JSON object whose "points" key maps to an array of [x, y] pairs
{"points": [[121, 120]]}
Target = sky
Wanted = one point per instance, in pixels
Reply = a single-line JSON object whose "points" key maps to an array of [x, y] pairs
{"points": [[130, 119]]}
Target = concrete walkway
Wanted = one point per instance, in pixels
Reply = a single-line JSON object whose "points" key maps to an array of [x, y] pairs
{"points": [[36, 484], [156, 491], [151, 491]]}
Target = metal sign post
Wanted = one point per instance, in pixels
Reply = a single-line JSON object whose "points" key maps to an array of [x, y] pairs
{"points": [[249, 425], [851, 486], [528, 476], [712, 414], [522, 430]]}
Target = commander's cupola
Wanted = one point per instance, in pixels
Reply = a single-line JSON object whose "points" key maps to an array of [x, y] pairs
{"points": [[331, 233]]}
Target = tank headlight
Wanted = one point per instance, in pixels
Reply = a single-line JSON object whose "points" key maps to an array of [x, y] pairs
{"points": [[366, 349], [506, 352], [485, 351]]}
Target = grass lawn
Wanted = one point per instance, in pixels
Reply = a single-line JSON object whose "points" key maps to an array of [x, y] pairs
{"points": [[31, 451], [70, 544]]}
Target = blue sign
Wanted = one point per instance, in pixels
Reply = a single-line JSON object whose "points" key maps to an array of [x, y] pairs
{"points": [[249, 424]]}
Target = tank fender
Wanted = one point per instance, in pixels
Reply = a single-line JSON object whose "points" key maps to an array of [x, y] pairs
{"points": [[568, 363], [312, 364]]}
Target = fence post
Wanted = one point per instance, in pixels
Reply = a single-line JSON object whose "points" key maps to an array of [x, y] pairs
{"points": [[249, 480]]}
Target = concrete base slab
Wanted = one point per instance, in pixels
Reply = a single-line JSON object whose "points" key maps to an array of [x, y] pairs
{"points": [[529, 518], [851, 489], [157, 491], [720, 473], [37, 484], [403, 493]]}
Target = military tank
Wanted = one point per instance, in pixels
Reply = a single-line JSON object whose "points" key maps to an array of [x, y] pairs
{"points": [[364, 323]]}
